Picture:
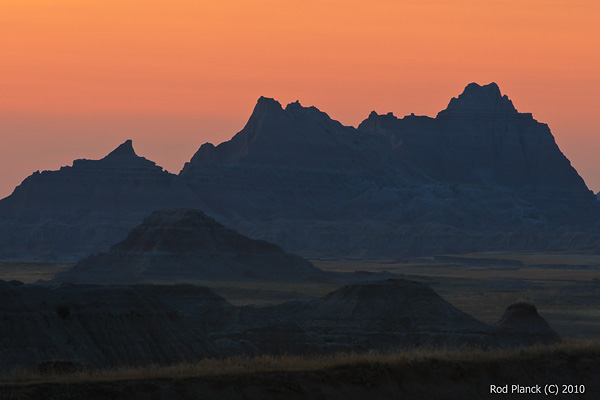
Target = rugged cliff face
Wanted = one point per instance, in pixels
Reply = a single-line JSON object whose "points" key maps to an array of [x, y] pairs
{"points": [[480, 139], [86, 207], [480, 176], [293, 163], [184, 244]]}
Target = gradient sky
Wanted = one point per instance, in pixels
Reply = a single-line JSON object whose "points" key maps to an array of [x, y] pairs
{"points": [[77, 78]]}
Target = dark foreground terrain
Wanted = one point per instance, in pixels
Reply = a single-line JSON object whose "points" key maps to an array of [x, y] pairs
{"points": [[573, 368], [115, 325], [563, 287]]}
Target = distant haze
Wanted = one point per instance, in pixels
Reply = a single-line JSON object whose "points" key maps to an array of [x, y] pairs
{"points": [[78, 78]]}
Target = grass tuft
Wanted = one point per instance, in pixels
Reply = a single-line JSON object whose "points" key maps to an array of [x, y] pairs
{"points": [[242, 365]]}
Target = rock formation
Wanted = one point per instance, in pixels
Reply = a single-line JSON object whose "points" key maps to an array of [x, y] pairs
{"points": [[84, 208], [480, 176], [95, 326], [287, 164], [116, 325], [185, 244], [393, 312], [523, 318], [480, 139]]}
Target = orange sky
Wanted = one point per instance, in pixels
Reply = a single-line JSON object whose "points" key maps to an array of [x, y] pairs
{"points": [[79, 77]]}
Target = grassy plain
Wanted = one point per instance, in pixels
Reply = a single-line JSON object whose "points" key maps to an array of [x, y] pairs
{"points": [[293, 363], [569, 368]]}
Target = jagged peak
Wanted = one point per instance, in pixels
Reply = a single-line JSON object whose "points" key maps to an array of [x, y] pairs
{"points": [[374, 114], [294, 105], [375, 118], [265, 104], [298, 111], [123, 156], [477, 98], [124, 150]]}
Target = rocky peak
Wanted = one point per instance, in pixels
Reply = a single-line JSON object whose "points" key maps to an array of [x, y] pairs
{"points": [[389, 116], [310, 114], [265, 105], [390, 305], [266, 109], [185, 244], [187, 230], [294, 106], [123, 156], [524, 317], [476, 99], [276, 136], [124, 150]]}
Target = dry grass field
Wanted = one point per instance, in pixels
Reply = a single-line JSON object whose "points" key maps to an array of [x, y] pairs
{"points": [[424, 374], [294, 363]]}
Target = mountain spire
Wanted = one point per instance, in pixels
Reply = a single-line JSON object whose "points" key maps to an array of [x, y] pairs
{"points": [[124, 150], [480, 99]]}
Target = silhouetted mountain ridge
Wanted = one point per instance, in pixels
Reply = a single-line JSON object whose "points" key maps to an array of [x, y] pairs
{"points": [[79, 209], [478, 176], [476, 99], [283, 138]]}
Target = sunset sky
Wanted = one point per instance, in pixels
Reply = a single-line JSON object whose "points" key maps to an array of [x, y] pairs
{"points": [[77, 77]]}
